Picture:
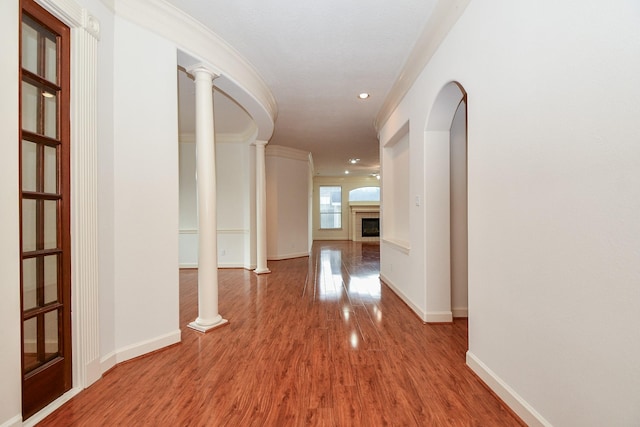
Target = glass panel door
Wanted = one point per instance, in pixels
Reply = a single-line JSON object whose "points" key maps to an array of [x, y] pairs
{"points": [[45, 237]]}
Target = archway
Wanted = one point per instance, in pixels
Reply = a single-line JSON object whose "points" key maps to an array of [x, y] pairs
{"points": [[445, 206]]}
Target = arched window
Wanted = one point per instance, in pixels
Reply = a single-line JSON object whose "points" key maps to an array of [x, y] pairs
{"points": [[365, 194]]}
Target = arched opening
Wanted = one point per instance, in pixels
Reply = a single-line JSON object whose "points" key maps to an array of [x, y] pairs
{"points": [[446, 206]]}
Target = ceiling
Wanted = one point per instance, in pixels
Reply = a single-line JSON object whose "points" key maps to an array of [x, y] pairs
{"points": [[316, 57]]}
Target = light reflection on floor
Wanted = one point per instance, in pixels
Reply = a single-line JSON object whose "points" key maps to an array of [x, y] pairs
{"points": [[334, 278]]}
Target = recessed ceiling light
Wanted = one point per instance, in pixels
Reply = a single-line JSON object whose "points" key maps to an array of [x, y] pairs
{"points": [[363, 95], [354, 161], [346, 172]]}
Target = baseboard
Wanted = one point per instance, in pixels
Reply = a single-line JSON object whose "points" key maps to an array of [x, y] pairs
{"points": [[51, 407], [108, 362], [460, 312], [512, 399], [287, 256], [438, 317], [421, 314], [92, 372], [13, 422], [230, 265], [142, 348], [188, 265]]}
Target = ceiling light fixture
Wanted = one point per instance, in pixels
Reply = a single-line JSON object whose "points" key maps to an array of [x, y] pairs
{"points": [[363, 95], [354, 161], [346, 172]]}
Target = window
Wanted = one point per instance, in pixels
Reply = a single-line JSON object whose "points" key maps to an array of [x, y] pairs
{"points": [[365, 194], [330, 207]]}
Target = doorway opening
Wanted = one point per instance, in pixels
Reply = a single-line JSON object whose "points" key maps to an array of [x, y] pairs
{"points": [[446, 206]]}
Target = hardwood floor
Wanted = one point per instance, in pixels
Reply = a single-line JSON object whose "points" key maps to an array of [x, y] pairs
{"points": [[318, 342]]}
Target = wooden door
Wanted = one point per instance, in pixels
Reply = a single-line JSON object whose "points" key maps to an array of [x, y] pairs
{"points": [[44, 208]]}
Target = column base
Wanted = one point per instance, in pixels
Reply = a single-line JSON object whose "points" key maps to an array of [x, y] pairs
{"points": [[206, 328], [262, 271]]}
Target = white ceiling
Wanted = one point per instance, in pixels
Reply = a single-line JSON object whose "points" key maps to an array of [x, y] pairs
{"points": [[316, 57]]}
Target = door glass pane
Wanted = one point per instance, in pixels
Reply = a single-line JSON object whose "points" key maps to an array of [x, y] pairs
{"points": [[50, 279], [30, 344], [29, 275], [28, 225], [29, 48], [51, 334], [50, 224], [29, 153], [29, 107], [50, 114], [50, 60], [50, 170]]}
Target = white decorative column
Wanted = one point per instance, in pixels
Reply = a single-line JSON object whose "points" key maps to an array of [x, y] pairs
{"points": [[85, 34], [261, 210], [208, 316]]}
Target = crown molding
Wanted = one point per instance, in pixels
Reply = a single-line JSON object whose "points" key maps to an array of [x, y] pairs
{"points": [[445, 14], [198, 43], [287, 153]]}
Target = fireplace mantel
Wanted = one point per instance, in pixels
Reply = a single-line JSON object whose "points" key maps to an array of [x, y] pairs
{"points": [[359, 211]]}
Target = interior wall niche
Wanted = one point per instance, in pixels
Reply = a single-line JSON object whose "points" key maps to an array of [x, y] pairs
{"points": [[395, 188]]}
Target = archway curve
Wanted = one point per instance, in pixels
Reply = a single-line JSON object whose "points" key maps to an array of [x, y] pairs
{"points": [[437, 167], [445, 106]]}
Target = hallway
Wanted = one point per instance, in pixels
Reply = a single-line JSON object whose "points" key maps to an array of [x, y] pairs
{"points": [[319, 341]]}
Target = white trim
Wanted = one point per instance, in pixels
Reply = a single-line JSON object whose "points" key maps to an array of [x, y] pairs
{"points": [[241, 231], [108, 362], [13, 422], [230, 265], [288, 256], [198, 43], [445, 14], [400, 245], [68, 11], [139, 349], [421, 314], [188, 265], [460, 311], [286, 153], [84, 207], [438, 317], [50, 408], [517, 404]]}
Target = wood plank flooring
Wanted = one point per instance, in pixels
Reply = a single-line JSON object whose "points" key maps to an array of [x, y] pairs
{"points": [[318, 342]]}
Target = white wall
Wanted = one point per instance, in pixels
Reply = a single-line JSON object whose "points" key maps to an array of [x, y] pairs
{"points": [[347, 183], [145, 191], [235, 181], [287, 173], [554, 196], [10, 367]]}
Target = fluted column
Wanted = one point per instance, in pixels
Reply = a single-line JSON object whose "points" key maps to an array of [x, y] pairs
{"points": [[208, 316], [84, 196], [261, 210]]}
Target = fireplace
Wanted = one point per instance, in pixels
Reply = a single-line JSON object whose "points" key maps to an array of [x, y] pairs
{"points": [[370, 227]]}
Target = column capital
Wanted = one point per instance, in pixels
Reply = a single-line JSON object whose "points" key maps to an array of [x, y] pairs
{"points": [[199, 69], [261, 143]]}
